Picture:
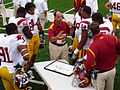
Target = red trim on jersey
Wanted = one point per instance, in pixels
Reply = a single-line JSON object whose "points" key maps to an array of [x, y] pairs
{"points": [[20, 21], [86, 22], [19, 37], [75, 14], [104, 28]]}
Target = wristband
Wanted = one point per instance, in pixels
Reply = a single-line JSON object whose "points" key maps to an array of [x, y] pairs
{"points": [[76, 51]]}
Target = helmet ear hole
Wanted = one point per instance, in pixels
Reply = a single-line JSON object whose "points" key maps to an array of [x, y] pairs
{"points": [[84, 80]]}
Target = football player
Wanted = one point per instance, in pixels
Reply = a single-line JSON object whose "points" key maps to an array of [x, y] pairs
{"points": [[93, 4], [84, 40], [77, 20], [116, 13], [104, 24], [22, 24], [42, 7], [105, 27], [35, 26], [3, 12], [23, 2], [13, 51], [78, 4]]}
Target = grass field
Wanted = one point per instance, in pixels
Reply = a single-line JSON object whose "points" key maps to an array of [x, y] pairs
{"points": [[43, 54]]}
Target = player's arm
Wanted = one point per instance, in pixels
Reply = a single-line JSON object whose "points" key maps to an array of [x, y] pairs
{"points": [[71, 26], [45, 13], [82, 42], [24, 52], [39, 26], [45, 7], [83, 39], [27, 32], [107, 6], [40, 29]]}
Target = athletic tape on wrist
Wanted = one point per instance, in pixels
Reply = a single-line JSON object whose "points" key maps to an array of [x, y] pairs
{"points": [[76, 51], [23, 50], [85, 57], [25, 54]]}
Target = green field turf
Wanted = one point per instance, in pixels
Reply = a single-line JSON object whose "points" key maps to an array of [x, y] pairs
{"points": [[43, 54]]}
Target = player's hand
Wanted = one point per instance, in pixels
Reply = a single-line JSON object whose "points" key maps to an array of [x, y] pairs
{"points": [[70, 24], [80, 60], [30, 74], [110, 11], [74, 56]]}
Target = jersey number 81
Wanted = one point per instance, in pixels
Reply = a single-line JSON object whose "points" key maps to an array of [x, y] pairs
{"points": [[4, 55]]}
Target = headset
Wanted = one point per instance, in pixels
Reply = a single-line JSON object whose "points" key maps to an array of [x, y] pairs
{"points": [[54, 13], [93, 28], [90, 33]]}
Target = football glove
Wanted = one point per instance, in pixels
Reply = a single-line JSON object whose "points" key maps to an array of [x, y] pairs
{"points": [[70, 52], [30, 74], [42, 40]]}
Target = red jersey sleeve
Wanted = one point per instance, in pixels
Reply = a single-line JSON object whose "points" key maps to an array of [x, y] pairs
{"points": [[51, 31]]}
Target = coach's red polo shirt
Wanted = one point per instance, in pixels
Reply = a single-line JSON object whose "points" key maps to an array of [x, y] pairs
{"points": [[102, 52], [55, 29]]}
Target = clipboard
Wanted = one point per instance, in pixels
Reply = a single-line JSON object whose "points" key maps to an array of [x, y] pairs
{"points": [[60, 67]]}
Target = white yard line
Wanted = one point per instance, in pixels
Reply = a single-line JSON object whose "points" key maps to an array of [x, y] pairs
{"points": [[69, 10], [51, 10], [8, 3], [44, 30], [10, 7], [2, 28]]}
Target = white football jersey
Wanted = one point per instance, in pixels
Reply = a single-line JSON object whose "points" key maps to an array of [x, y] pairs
{"points": [[9, 54], [77, 19], [93, 4], [16, 1], [23, 2], [41, 5], [85, 23], [33, 23], [106, 27], [115, 6], [21, 23]]}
